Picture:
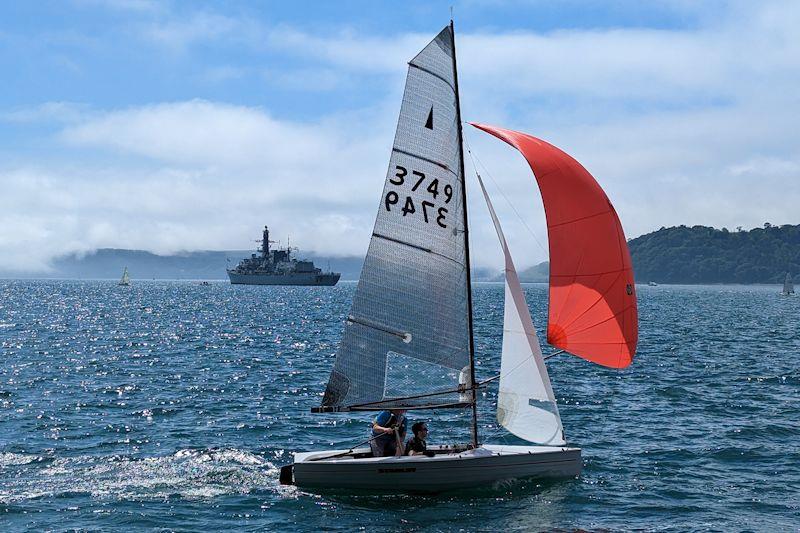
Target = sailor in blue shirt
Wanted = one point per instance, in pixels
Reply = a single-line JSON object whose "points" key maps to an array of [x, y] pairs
{"points": [[388, 433]]}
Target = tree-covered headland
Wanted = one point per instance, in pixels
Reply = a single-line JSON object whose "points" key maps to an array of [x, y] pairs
{"points": [[701, 254]]}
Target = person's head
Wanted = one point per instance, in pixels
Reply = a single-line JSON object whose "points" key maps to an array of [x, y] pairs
{"points": [[420, 430], [398, 412]]}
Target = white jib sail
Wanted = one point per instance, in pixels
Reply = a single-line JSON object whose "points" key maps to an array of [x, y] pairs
{"points": [[526, 405]]}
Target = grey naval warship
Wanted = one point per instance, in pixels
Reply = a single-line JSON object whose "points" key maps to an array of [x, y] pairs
{"points": [[277, 267]]}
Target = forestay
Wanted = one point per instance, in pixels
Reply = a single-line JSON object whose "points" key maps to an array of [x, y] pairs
{"points": [[407, 333], [526, 405]]}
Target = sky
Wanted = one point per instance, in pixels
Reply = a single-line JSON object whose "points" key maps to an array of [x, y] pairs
{"points": [[179, 126]]}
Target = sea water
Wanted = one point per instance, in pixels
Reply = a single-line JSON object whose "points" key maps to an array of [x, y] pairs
{"points": [[172, 405]]}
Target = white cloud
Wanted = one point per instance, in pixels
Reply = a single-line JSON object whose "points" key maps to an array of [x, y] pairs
{"points": [[309, 79], [689, 126], [142, 6], [350, 50], [244, 144], [48, 112], [680, 127], [196, 175], [178, 33]]}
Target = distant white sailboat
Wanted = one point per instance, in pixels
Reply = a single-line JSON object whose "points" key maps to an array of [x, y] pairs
{"points": [[788, 286], [408, 340], [125, 280]]}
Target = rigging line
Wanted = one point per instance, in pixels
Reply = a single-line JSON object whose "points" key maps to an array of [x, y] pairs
{"points": [[544, 358], [475, 158], [348, 452], [426, 395]]}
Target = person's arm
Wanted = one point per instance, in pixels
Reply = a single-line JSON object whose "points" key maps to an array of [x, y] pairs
{"points": [[400, 449], [400, 437], [378, 428], [411, 448]]}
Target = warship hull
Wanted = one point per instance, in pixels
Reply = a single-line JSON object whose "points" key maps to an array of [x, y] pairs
{"points": [[293, 278]]}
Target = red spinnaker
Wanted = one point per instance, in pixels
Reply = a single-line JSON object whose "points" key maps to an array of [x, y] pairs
{"points": [[592, 294]]}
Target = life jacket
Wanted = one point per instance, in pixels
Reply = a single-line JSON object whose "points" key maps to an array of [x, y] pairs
{"points": [[394, 420]]}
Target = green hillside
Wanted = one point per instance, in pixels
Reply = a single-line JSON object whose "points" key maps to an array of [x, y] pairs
{"points": [[107, 263], [707, 255]]}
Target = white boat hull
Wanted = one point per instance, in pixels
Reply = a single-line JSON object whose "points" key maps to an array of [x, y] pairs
{"points": [[445, 471]]}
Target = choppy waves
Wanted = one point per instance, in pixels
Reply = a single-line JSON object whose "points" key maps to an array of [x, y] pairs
{"points": [[190, 474], [172, 405]]}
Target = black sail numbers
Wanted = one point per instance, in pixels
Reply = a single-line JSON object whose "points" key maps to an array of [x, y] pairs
{"points": [[408, 328], [431, 196]]}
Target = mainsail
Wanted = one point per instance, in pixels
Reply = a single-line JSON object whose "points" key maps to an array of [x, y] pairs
{"points": [[125, 280], [592, 311], [407, 336], [526, 405]]}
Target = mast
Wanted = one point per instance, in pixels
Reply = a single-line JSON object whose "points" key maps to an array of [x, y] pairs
{"points": [[265, 242], [394, 353], [466, 246]]}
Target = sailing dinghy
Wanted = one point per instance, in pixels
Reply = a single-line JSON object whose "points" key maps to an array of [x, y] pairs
{"points": [[125, 280], [408, 340], [788, 286]]}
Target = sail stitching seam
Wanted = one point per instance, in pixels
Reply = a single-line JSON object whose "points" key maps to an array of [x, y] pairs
{"points": [[579, 219], [571, 287], [615, 315], [612, 317], [601, 297], [619, 270]]}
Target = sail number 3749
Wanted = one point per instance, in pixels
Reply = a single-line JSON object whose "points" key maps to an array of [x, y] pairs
{"points": [[428, 210]]}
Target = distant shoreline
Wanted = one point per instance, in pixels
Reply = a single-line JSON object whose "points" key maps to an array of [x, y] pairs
{"points": [[681, 255], [351, 281]]}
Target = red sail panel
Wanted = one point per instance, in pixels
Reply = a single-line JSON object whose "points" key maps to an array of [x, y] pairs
{"points": [[592, 294]]}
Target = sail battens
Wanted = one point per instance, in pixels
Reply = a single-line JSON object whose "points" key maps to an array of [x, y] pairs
{"points": [[410, 335], [422, 157], [421, 248], [380, 327], [432, 73], [404, 243]]}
